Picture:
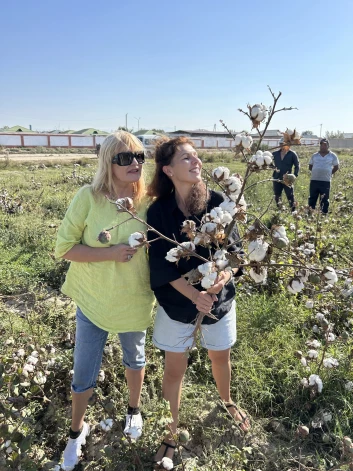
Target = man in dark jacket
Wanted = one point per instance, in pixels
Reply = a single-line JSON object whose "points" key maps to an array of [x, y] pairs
{"points": [[284, 160]]}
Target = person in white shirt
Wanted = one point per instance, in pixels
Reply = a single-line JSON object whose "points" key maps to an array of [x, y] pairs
{"points": [[322, 165]]}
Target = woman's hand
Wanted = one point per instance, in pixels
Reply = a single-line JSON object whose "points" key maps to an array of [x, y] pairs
{"points": [[204, 301], [222, 278], [122, 253]]}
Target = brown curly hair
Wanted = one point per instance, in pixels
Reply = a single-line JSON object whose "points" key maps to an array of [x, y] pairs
{"points": [[162, 186]]}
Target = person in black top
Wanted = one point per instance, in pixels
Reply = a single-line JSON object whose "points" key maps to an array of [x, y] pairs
{"points": [[284, 160], [180, 194]]}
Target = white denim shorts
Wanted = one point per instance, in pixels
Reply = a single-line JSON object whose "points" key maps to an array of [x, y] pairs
{"points": [[174, 336]]}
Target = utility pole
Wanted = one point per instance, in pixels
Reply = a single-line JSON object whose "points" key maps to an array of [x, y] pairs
{"points": [[320, 129], [138, 123], [126, 121]]}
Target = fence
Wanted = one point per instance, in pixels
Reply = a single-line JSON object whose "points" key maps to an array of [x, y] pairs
{"points": [[19, 139]]}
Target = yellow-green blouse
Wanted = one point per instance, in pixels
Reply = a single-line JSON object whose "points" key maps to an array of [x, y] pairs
{"points": [[114, 296]]}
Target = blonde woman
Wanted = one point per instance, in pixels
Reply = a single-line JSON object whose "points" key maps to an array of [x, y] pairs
{"points": [[109, 284]]}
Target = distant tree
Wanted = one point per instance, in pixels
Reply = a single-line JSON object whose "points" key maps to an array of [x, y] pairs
{"points": [[334, 134], [123, 128], [307, 133], [161, 131], [142, 130]]}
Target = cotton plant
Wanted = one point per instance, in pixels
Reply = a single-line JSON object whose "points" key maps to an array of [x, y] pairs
{"points": [[264, 250], [319, 358]]}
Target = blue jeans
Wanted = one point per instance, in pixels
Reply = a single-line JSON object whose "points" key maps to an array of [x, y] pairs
{"points": [[90, 342]]}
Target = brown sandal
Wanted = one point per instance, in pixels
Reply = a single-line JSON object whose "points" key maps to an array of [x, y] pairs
{"points": [[167, 446], [244, 418]]}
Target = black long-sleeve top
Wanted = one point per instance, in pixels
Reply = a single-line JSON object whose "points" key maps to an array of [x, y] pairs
{"points": [[165, 216], [289, 161]]}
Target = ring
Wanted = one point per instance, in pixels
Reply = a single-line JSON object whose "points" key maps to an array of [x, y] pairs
{"points": [[129, 257]]}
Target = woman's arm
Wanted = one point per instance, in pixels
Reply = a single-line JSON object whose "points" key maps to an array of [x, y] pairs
{"points": [[84, 253]]}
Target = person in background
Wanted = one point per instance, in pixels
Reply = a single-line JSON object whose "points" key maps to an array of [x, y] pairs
{"points": [[109, 283], [322, 165], [98, 148], [284, 160]]}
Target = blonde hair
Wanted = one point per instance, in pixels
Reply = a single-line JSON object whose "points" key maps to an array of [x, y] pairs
{"points": [[120, 141]]}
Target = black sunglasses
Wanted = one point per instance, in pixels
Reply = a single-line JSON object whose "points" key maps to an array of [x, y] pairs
{"points": [[126, 158]]}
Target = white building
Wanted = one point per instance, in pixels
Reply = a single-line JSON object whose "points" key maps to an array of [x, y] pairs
{"points": [[206, 139]]}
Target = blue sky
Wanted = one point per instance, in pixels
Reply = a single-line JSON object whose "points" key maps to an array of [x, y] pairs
{"points": [[182, 64]]}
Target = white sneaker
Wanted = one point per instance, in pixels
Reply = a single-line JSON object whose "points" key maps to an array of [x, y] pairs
{"points": [[133, 426], [72, 451]]}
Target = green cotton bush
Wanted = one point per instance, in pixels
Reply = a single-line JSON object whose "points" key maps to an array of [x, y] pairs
{"points": [[266, 380]]}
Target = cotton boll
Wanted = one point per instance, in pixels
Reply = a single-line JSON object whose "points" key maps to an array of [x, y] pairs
{"points": [[267, 159], [260, 277], [229, 206], [167, 463], [101, 376], [173, 255], [255, 111], [188, 246], [313, 354], [260, 116], [206, 268], [233, 184], [330, 363], [315, 380], [222, 264], [295, 286], [221, 173], [242, 201], [216, 215], [226, 218], [279, 231], [257, 250], [220, 259], [246, 141], [220, 254], [313, 343], [208, 280], [330, 275], [259, 160], [238, 139], [209, 227], [137, 239]]}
